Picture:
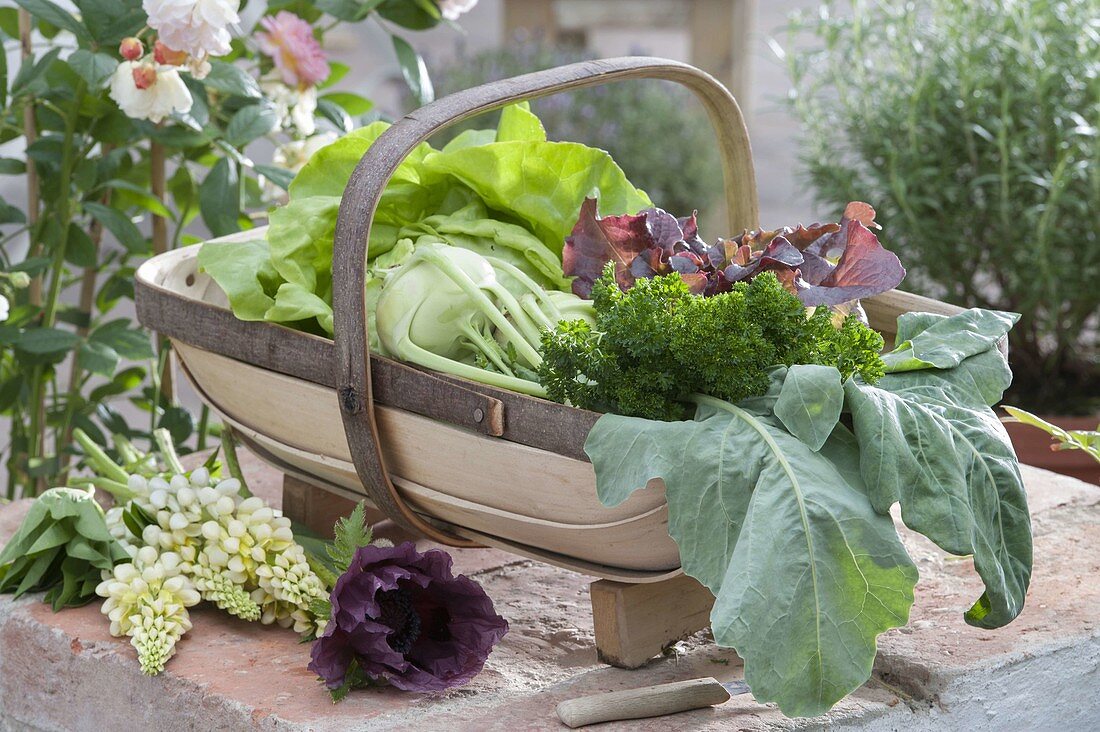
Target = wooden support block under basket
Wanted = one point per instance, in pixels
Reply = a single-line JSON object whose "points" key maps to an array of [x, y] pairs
{"points": [[318, 509], [635, 622]]}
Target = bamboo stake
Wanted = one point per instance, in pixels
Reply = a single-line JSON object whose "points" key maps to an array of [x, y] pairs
{"points": [[160, 246], [34, 291], [30, 132]]}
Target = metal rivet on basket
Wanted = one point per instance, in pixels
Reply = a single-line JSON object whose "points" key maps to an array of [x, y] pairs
{"points": [[479, 414], [349, 400]]}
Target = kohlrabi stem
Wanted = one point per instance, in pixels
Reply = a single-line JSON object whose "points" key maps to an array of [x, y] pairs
{"points": [[519, 315], [412, 352], [467, 285], [530, 306], [554, 316], [488, 347], [98, 460]]}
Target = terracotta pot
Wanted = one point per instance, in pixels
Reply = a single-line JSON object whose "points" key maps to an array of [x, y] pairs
{"points": [[1033, 448]]}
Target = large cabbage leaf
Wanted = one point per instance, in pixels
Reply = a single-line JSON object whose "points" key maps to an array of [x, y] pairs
{"points": [[805, 572], [793, 534], [929, 442], [926, 340]]}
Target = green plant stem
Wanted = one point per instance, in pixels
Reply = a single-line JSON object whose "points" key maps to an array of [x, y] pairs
{"points": [[119, 491], [232, 464], [30, 133], [86, 303], [126, 450], [204, 421], [167, 448], [157, 181], [57, 269], [98, 460]]}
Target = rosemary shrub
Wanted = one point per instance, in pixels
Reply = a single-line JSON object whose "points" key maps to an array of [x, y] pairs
{"points": [[973, 128]]}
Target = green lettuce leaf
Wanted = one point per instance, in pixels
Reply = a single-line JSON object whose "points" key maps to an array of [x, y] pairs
{"points": [[294, 303], [329, 169], [517, 122], [244, 271], [805, 572], [470, 138], [300, 240], [540, 184]]}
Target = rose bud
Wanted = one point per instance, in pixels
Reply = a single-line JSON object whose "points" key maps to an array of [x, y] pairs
{"points": [[131, 48], [167, 56], [145, 76]]}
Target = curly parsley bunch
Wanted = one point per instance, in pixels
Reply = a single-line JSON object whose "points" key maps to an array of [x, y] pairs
{"points": [[656, 344]]}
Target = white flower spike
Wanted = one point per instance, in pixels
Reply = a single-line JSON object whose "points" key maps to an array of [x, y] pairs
{"points": [[147, 599]]}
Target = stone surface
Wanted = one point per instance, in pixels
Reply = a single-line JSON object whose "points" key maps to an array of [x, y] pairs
{"points": [[64, 672]]}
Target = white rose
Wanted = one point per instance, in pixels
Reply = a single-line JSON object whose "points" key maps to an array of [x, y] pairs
{"points": [[199, 27], [451, 9], [5, 308], [164, 96]]}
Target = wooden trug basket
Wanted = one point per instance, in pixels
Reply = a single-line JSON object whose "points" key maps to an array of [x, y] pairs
{"points": [[460, 462]]}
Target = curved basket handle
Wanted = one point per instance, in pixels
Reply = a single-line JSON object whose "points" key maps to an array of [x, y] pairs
{"points": [[379, 163]]}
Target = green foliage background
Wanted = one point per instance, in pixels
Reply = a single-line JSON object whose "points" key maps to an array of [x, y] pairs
{"points": [[974, 129]]}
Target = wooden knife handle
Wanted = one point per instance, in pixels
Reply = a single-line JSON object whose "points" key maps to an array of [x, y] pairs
{"points": [[649, 701]]}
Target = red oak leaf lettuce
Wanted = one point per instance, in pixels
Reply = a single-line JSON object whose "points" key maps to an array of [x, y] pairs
{"points": [[824, 264]]}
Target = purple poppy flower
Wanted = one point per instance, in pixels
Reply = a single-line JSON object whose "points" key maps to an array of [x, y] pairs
{"points": [[402, 616]]}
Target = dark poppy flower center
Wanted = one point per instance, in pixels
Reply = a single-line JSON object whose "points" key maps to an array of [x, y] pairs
{"points": [[397, 612], [435, 621]]}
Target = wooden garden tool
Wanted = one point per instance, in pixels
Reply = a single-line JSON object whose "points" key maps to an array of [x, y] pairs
{"points": [[649, 701]]}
